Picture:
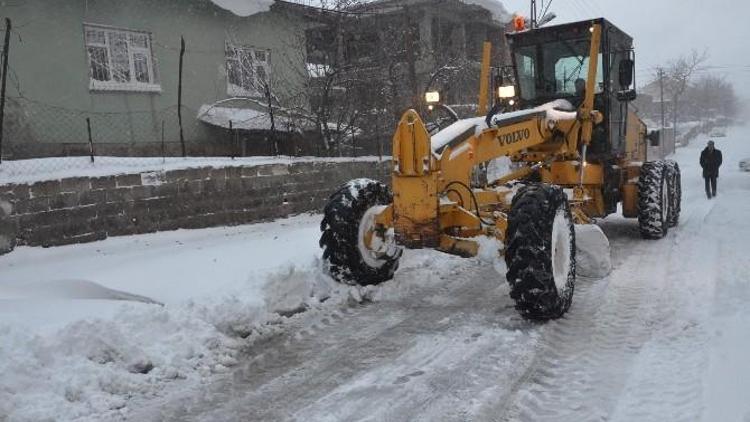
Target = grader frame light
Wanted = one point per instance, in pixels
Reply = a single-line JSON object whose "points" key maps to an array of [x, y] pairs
{"points": [[530, 211]]}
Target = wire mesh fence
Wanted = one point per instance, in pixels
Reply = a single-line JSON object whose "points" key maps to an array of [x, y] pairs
{"points": [[41, 138]]}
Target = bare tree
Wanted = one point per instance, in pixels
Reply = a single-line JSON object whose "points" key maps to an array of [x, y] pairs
{"points": [[711, 96], [677, 76], [327, 100], [364, 69]]}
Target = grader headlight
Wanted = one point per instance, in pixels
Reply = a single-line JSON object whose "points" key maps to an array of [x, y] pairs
{"points": [[508, 91], [432, 97]]}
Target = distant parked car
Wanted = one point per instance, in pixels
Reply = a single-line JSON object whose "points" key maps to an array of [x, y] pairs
{"points": [[745, 164], [718, 133]]}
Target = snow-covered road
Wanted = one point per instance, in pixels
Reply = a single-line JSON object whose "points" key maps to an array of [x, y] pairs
{"points": [[663, 338]]}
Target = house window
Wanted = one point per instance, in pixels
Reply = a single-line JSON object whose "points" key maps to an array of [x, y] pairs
{"points": [[248, 70], [120, 60]]}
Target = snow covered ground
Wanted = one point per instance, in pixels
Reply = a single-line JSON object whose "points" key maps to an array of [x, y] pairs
{"points": [[206, 325]]}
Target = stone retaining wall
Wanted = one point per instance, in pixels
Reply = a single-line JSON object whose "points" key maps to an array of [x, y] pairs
{"points": [[77, 210]]}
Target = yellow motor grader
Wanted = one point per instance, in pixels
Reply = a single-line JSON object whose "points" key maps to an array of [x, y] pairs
{"points": [[578, 151]]}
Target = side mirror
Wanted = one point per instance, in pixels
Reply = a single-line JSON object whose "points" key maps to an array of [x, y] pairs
{"points": [[627, 95], [654, 138], [627, 68]]}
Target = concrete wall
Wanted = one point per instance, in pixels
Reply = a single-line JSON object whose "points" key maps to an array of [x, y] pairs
{"points": [[49, 95], [77, 210]]}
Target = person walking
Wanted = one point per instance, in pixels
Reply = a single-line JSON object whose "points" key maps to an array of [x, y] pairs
{"points": [[710, 161]]}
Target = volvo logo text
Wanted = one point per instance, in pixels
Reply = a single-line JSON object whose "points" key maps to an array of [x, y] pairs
{"points": [[513, 137]]}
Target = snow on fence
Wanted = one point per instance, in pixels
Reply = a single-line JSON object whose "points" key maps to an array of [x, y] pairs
{"points": [[53, 168]]}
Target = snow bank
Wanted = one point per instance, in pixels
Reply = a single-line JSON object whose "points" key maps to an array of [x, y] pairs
{"points": [[99, 345], [244, 8], [103, 346], [93, 366], [67, 289]]}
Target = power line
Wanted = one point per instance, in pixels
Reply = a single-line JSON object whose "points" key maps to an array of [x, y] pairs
{"points": [[579, 9], [594, 7], [544, 12]]}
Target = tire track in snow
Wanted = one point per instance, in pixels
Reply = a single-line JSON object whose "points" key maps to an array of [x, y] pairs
{"points": [[584, 359], [667, 378], [674, 366], [424, 356]]}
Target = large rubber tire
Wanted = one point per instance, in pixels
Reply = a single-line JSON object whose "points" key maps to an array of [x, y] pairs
{"points": [[540, 252], [340, 233], [653, 200], [675, 193]]}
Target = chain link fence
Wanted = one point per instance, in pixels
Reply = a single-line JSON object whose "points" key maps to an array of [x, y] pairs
{"points": [[40, 138]]}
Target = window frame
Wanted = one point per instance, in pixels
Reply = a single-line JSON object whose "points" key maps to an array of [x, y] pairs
{"points": [[132, 85], [235, 90]]}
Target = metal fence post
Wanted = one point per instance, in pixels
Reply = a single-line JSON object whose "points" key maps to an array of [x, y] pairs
{"points": [[91, 140], [179, 96], [232, 152], [163, 154], [6, 47]]}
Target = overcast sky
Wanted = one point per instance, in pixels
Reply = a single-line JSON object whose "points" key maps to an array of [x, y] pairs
{"points": [[664, 29]]}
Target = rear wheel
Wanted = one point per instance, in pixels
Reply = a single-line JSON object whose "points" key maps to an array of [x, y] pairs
{"points": [[349, 214], [653, 200], [675, 192], [540, 252]]}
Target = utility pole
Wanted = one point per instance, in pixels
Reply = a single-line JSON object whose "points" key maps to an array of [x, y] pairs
{"points": [[661, 91], [6, 47], [179, 96]]}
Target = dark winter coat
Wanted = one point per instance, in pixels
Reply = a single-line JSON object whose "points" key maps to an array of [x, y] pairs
{"points": [[710, 161]]}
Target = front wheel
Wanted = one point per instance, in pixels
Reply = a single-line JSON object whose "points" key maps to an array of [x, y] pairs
{"points": [[654, 200], [675, 192], [349, 214], [540, 252]]}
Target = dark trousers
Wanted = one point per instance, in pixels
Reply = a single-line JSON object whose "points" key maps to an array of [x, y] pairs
{"points": [[710, 186]]}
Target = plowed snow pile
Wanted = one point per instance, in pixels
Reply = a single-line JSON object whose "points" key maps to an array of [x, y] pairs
{"points": [[95, 346], [166, 309]]}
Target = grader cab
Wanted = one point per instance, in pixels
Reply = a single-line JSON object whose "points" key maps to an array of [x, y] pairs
{"points": [[578, 150]]}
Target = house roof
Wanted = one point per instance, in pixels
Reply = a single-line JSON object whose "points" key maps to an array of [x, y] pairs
{"points": [[251, 114], [244, 8], [495, 7]]}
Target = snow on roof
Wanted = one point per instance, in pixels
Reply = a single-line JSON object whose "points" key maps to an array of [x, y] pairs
{"points": [[244, 118], [315, 70], [244, 8], [253, 114]]}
